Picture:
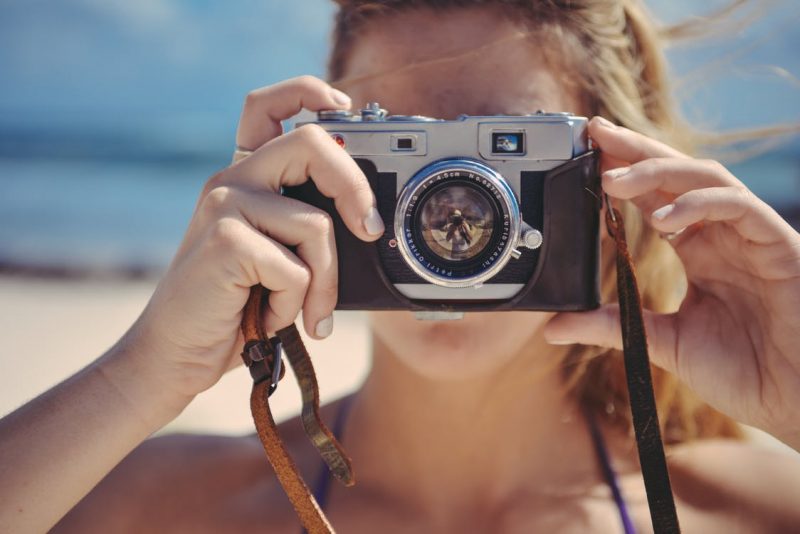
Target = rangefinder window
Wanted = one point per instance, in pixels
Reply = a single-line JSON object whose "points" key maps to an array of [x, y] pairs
{"points": [[403, 142], [508, 142]]}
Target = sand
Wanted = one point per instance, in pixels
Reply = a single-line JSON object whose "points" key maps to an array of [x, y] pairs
{"points": [[50, 328]]}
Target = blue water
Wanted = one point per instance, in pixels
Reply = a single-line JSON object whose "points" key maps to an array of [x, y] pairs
{"points": [[98, 214], [111, 214]]}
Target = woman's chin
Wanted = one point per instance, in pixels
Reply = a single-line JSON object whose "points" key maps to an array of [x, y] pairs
{"points": [[478, 345]]}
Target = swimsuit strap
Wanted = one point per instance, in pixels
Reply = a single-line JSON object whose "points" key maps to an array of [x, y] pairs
{"points": [[324, 478], [608, 472]]}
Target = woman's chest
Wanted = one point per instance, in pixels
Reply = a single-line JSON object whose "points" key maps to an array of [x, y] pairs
{"points": [[263, 507]]}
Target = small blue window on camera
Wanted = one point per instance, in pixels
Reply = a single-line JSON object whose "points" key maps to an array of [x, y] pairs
{"points": [[508, 143]]}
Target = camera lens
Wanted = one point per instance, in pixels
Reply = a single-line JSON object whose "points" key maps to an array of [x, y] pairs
{"points": [[456, 223]]}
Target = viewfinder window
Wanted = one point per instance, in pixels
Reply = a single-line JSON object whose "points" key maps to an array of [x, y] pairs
{"points": [[508, 142]]}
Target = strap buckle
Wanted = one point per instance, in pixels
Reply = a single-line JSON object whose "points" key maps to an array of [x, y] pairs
{"points": [[264, 359]]}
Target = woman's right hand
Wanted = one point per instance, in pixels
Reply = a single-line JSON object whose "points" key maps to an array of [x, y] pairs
{"points": [[188, 335]]}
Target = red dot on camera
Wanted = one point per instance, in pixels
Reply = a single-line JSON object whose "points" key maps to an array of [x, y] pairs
{"points": [[339, 140]]}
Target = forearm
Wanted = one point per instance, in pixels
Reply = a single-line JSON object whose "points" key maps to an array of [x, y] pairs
{"points": [[57, 447]]}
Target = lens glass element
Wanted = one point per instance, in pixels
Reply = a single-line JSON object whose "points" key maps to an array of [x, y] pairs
{"points": [[456, 221]]}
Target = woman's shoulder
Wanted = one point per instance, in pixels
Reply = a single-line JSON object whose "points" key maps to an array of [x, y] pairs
{"points": [[193, 482], [748, 482]]}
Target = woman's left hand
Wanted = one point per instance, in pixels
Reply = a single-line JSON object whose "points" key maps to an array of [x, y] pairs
{"points": [[735, 340]]}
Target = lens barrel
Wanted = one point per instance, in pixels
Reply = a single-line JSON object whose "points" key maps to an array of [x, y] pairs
{"points": [[457, 223]]}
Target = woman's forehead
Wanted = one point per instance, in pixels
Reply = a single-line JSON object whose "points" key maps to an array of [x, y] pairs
{"points": [[443, 65]]}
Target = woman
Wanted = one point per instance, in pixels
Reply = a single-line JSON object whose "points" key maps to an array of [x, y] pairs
{"points": [[463, 426]]}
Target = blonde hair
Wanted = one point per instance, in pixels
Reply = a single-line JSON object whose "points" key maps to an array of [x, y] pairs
{"points": [[621, 70]]}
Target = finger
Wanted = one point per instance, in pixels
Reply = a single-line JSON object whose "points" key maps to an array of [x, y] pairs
{"points": [[295, 223], [602, 328], [235, 359], [608, 162], [624, 144], [737, 206], [309, 151], [669, 175], [254, 258], [265, 108]]}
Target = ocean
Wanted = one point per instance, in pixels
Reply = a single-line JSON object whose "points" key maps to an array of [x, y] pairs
{"points": [[68, 215], [96, 215]]}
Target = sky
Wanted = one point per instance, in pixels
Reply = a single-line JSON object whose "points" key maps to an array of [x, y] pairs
{"points": [[103, 61], [177, 70]]}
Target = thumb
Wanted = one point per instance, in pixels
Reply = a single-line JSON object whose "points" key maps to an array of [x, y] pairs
{"points": [[602, 328]]}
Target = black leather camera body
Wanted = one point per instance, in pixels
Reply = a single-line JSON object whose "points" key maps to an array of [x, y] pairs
{"points": [[482, 213]]}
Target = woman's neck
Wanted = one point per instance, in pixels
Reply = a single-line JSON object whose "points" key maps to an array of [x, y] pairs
{"points": [[458, 445]]}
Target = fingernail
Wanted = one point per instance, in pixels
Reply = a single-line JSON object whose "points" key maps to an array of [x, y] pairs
{"points": [[619, 172], [340, 98], [373, 222], [661, 213], [324, 327], [560, 342], [608, 124]]}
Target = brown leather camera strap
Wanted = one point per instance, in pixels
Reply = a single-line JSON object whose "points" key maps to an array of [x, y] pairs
{"points": [[262, 355], [640, 386]]}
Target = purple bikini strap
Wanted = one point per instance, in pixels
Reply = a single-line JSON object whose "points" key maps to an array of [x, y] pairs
{"points": [[608, 472]]}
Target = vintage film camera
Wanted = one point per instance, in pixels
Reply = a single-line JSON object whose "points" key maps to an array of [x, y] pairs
{"points": [[481, 213]]}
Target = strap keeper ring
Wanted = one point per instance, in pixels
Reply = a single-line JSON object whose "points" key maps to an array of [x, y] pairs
{"points": [[240, 153], [258, 355]]}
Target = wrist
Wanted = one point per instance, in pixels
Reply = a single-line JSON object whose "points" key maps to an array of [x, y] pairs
{"points": [[141, 385]]}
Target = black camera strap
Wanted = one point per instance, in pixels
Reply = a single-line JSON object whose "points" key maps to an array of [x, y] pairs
{"points": [[640, 386], [262, 355]]}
